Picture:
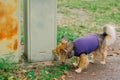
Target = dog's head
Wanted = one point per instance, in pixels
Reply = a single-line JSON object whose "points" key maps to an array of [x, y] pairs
{"points": [[63, 50]]}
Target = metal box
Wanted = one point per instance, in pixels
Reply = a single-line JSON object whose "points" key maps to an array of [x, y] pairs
{"points": [[40, 29]]}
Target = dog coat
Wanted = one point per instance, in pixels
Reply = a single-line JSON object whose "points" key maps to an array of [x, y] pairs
{"points": [[85, 44]]}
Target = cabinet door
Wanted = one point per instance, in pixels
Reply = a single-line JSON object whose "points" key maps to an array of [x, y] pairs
{"points": [[41, 29]]}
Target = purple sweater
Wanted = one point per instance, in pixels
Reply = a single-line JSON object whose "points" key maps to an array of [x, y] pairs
{"points": [[85, 44]]}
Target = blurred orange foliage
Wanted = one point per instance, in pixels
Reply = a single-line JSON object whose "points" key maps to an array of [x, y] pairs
{"points": [[9, 22]]}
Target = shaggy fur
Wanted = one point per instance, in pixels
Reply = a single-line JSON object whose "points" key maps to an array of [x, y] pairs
{"points": [[66, 49]]}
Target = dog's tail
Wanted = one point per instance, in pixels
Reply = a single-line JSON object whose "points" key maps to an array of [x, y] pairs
{"points": [[110, 34]]}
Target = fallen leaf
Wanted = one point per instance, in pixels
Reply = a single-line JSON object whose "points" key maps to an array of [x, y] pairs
{"points": [[34, 67], [78, 79], [52, 62], [63, 77], [93, 74], [66, 72], [19, 72], [110, 55], [27, 68], [24, 71], [46, 72], [114, 70], [70, 76], [111, 49], [11, 78], [117, 52], [37, 77], [25, 78], [54, 79], [37, 70]]}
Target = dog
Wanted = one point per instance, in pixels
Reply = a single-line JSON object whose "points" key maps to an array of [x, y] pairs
{"points": [[82, 46]]}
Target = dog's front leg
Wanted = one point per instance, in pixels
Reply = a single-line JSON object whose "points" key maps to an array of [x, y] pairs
{"points": [[75, 64], [83, 62]]}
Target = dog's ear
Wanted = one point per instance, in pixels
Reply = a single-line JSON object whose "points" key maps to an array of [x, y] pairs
{"points": [[64, 39]]}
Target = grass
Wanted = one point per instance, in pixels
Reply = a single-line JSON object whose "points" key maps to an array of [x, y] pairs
{"points": [[100, 11], [6, 68], [51, 72], [22, 33], [22, 24], [13, 71], [73, 32]]}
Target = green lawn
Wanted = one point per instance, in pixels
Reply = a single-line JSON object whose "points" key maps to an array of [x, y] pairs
{"points": [[95, 14], [101, 11]]}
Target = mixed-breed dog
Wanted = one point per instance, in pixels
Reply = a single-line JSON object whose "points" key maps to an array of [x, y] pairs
{"points": [[83, 46]]}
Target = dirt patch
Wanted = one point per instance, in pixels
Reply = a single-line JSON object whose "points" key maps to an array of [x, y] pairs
{"points": [[75, 17], [78, 11], [97, 71]]}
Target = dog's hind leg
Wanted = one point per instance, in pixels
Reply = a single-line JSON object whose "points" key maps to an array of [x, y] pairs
{"points": [[75, 64], [104, 55], [83, 63], [103, 51], [94, 54]]}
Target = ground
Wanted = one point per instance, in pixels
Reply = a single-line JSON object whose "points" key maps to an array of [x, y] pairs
{"points": [[96, 71]]}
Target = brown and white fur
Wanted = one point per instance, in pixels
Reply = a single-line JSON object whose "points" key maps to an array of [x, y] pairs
{"points": [[65, 49]]}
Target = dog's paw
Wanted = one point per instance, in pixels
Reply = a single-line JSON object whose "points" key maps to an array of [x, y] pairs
{"points": [[91, 61], [78, 70], [103, 62], [75, 64]]}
